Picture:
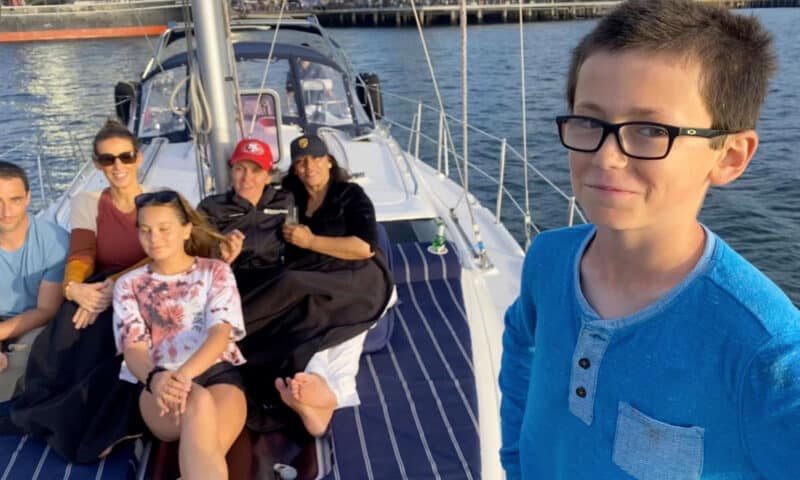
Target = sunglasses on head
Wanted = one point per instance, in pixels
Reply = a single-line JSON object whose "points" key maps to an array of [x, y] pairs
{"points": [[108, 159], [156, 198]]}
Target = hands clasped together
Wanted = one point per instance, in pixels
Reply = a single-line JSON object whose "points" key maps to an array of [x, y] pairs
{"points": [[171, 389], [92, 299]]}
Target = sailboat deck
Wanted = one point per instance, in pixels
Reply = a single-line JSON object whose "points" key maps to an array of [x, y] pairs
{"points": [[418, 412], [30, 458]]}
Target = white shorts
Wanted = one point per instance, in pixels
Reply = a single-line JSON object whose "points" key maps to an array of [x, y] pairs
{"points": [[338, 365]]}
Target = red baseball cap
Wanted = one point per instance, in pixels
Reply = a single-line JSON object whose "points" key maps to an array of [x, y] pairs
{"points": [[255, 151]]}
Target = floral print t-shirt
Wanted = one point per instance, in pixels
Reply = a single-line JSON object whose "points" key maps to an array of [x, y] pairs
{"points": [[173, 313]]}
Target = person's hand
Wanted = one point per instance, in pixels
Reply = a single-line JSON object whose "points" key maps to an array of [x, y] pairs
{"points": [[94, 297], [298, 235], [186, 383], [232, 246], [83, 318], [171, 391], [5, 331], [107, 291], [3, 362]]}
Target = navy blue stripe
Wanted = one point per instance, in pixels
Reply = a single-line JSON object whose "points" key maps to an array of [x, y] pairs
{"points": [[349, 459], [411, 401], [118, 465]]}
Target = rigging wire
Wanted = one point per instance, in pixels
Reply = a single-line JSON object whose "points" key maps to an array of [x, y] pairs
{"points": [[449, 137], [197, 102], [266, 67], [147, 37], [528, 220]]}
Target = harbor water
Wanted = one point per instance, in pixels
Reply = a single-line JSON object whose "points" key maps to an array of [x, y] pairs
{"points": [[54, 97]]}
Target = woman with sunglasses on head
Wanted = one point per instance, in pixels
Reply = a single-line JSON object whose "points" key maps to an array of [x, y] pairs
{"points": [[176, 321], [73, 365]]}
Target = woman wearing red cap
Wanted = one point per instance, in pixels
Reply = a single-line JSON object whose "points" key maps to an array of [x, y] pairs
{"points": [[306, 329], [250, 215]]}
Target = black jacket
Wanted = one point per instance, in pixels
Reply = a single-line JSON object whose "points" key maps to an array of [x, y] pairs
{"points": [[261, 225], [345, 211]]}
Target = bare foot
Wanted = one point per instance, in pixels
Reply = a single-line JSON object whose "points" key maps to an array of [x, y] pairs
{"points": [[309, 395], [3, 362]]}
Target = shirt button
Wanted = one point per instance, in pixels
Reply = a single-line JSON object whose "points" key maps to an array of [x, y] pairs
{"points": [[581, 392], [584, 363]]}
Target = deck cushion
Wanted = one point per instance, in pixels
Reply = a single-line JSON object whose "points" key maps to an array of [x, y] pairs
{"points": [[380, 333], [418, 412], [28, 458]]}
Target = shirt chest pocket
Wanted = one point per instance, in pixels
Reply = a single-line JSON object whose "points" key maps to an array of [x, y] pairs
{"points": [[648, 449]]}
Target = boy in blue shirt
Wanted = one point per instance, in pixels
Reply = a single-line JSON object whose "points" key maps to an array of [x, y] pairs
{"points": [[642, 346], [32, 254]]}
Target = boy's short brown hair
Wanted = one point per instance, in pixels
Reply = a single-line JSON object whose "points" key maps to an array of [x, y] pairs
{"points": [[11, 170], [734, 51]]}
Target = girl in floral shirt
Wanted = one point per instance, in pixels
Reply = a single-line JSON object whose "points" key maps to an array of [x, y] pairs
{"points": [[177, 320]]}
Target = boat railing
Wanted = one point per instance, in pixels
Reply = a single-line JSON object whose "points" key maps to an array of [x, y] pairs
{"points": [[34, 149], [446, 157]]}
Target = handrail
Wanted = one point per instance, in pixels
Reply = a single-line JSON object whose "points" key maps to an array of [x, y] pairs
{"points": [[485, 134], [445, 149]]}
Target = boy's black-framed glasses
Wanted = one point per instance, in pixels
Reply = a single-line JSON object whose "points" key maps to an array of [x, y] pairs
{"points": [[642, 140]]}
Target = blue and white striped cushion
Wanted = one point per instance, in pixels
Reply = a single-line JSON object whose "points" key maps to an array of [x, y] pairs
{"points": [[27, 458], [418, 412]]}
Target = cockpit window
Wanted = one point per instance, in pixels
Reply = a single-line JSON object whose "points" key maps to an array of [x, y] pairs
{"points": [[157, 117], [251, 74], [323, 95], [309, 92], [261, 119]]}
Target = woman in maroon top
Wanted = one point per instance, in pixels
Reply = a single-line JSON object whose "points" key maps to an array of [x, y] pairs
{"points": [[72, 398], [103, 236]]}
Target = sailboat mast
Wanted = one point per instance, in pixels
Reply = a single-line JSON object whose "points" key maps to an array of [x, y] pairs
{"points": [[213, 56]]}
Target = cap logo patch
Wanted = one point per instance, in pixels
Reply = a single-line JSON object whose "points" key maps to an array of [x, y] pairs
{"points": [[254, 148], [303, 142]]}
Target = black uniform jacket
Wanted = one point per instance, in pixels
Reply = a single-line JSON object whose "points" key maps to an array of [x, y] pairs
{"points": [[261, 225]]}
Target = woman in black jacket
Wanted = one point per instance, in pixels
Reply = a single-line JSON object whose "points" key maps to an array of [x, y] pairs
{"points": [[335, 286], [251, 215]]}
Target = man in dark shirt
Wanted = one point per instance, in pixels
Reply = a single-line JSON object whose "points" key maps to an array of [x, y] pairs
{"points": [[251, 215]]}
